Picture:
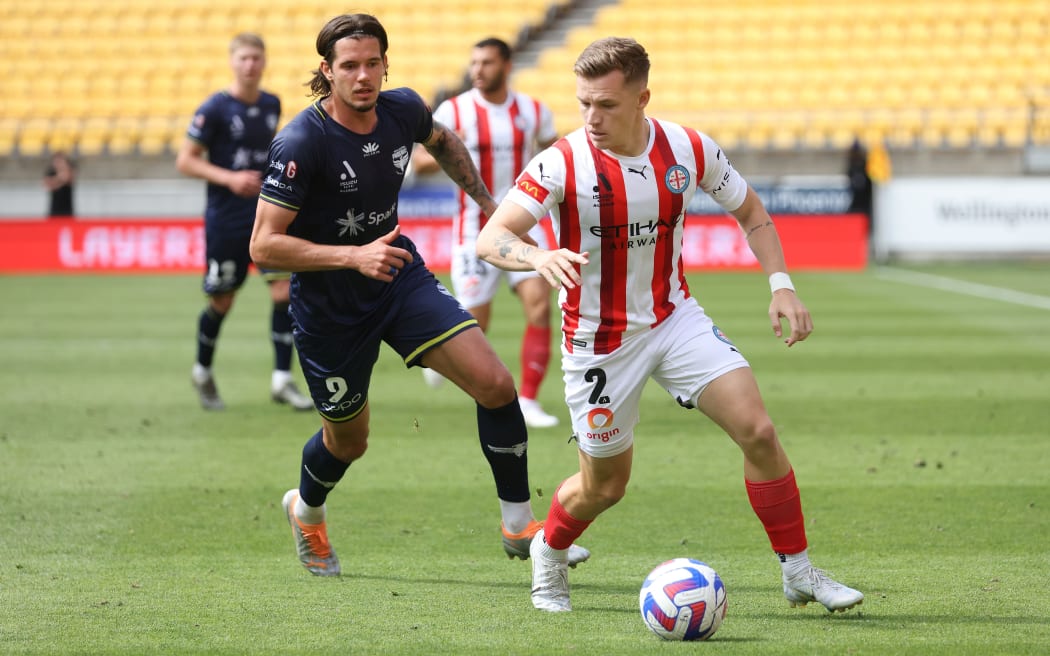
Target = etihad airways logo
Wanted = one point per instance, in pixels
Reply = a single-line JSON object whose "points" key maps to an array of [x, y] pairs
{"points": [[528, 185]]}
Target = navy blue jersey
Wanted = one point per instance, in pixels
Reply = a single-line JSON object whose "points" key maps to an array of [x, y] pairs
{"points": [[237, 137], [344, 187]]}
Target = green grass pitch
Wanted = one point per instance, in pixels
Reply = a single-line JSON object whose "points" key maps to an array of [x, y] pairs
{"points": [[132, 522]]}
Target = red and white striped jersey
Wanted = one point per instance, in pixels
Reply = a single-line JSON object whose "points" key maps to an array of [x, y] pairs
{"points": [[627, 214], [501, 140]]}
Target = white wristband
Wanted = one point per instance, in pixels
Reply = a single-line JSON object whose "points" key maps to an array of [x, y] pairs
{"points": [[780, 280]]}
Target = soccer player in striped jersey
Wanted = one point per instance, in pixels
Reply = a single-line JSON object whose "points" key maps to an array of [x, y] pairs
{"points": [[617, 190], [328, 212], [502, 129], [234, 128]]}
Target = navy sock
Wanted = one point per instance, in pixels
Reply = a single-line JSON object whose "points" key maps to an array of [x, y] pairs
{"points": [[320, 471], [281, 334], [504, 441], [208, 326]]}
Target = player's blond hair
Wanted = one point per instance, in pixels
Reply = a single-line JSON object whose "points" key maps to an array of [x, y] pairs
{"points": [[247, 40], [614, 54]]}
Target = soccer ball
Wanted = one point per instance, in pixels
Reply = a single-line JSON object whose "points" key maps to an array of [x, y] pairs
{"points": [[683, 599]]}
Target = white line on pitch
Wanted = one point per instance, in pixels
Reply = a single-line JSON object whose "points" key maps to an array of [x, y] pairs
{"points": [[963, 287]]}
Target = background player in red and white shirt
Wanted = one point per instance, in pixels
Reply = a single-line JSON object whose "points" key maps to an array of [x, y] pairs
{"points": [[617, 190], [502, 130]]}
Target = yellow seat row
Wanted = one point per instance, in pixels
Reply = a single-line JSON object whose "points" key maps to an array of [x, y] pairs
{"points": [[813, 73], [135, 71]]}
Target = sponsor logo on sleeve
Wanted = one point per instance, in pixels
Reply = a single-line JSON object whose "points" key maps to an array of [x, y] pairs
{"points": [[528, 185]]}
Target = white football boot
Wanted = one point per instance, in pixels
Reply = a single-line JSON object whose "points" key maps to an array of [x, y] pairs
{"points": [[814, 585], [550, 576]]}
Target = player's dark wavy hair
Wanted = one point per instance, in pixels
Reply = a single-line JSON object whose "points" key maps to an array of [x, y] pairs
{"points": [[499, 44], [614, 54], [354, 26]]}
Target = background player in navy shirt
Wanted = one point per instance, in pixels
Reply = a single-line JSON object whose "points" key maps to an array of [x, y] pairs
{"points": [[328, 212], [235, 127]]}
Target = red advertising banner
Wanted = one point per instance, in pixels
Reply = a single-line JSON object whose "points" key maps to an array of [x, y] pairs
{"points": [[145, 245]]}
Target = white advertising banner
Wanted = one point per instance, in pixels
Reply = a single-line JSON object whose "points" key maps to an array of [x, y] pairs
{"points": [[960, 216]]}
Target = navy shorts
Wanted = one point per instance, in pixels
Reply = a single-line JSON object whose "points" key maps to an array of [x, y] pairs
{"points": [[338, 367], [227, 260]]}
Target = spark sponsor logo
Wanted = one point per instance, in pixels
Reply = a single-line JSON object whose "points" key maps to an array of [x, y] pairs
{"points": [[242, 159], [371, 148], [375, 218], [599, 421], [353, 223]]}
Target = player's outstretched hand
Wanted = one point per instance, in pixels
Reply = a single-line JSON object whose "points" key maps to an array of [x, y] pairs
{"points": [[787, 305], [380, 260], [559, 267]]}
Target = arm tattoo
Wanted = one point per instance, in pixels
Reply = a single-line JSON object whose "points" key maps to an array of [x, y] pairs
{"points": [[752, 230], [508, 243], [455, 160]]}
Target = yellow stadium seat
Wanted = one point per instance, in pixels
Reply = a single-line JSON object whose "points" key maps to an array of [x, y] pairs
{"points": [[155, 61], [8, 136], [33, 136], [94, 135], [126, 134]]}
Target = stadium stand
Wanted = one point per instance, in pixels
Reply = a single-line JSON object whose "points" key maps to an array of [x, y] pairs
{"points": [[816, 74], [123, 76]]}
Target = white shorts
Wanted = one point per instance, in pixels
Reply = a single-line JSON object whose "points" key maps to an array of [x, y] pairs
{"points": [[475, 281], [683, 354]]}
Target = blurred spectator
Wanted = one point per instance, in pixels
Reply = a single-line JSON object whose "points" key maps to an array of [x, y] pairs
{"points": [[880, 169], [59, 177], [859, 181]]}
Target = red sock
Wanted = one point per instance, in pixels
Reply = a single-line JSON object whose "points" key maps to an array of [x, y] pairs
{"points": [[561, 529], [779, 508], [535, 354]]}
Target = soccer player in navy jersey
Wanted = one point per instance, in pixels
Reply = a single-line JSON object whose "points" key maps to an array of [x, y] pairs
{"points": [[234, 126], [328, 213], [616, 190]]}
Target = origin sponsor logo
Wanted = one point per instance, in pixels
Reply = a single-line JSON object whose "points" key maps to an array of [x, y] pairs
{"points": [[599, 420]]}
